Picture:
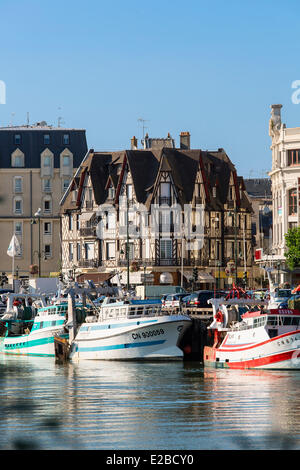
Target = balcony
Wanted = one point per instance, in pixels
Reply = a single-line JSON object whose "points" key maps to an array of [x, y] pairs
{"points": [[88, 263], [164, 201], [87, 231]]}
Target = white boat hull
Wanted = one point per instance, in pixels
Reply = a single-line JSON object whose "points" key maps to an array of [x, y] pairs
{"points": [[153, 338]]}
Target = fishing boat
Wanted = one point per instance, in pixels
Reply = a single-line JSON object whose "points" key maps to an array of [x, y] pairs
{"points": [[264, 338], [129, 329], [34, 335]]}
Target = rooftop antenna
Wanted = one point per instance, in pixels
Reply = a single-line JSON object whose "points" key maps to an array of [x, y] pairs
{"points": [[11, 119], [143, 125], [60, 119], [27, 119]]}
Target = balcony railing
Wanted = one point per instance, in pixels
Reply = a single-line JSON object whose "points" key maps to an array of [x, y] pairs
{"points": [[88, 263], [87, 231], [166, 201]]}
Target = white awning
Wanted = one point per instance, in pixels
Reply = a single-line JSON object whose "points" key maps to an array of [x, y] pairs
{"points": [[205, 277], [188, 275], [85, 216]]}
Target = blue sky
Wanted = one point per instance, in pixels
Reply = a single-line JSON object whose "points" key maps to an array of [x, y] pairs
{"points": [[212, 68]]}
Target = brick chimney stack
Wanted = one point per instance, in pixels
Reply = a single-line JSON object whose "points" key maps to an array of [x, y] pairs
{"points": [[185, 140], [134, 143]]}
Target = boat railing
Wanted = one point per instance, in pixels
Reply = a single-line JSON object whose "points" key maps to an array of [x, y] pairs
{"points": [[129, 311]]}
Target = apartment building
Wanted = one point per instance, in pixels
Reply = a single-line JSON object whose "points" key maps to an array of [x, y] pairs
{"points": [[157, 211], [37, 164], [285, 177]]}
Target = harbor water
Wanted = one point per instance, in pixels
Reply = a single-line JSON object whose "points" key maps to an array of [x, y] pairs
{"points": [[147, 406]]}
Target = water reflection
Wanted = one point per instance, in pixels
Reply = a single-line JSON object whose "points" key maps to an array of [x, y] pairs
{"points": [[118, 405]]}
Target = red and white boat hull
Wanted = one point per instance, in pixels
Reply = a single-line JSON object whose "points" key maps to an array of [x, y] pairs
{"points": [[279, 352]]}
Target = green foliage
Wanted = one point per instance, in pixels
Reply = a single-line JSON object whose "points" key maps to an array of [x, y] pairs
{"points": [[292, 255]]}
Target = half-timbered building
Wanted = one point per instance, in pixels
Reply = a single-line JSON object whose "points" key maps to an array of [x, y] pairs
{"points": [[146, 212]]}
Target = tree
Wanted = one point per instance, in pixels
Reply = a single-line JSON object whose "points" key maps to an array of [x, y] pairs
{"points": [[292, 255]]}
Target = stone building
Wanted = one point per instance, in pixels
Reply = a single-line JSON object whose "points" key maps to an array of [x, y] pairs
{"points": [[37, 164], [285, 177]]}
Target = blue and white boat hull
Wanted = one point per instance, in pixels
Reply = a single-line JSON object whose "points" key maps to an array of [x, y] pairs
{"points": [[153, 338]]}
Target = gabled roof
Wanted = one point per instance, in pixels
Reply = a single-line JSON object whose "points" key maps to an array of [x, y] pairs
{"points": [[145, 166]]}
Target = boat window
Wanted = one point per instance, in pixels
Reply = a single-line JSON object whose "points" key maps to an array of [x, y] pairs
{"points": [[116, 312], [131, 311], [272, 320], [41, 324], [259, 322], [295, 321], [139, 310], [287, 320]]}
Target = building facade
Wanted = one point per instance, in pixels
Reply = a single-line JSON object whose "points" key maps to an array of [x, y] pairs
{"points": [[158, 211], [37, 164], [285, 177], [260, 193]]}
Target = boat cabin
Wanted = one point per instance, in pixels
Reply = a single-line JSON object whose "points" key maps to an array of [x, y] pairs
{"points": [[275, 321]]}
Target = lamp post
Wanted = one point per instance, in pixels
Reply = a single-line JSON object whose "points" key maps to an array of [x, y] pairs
{"points": [[38, 216]]}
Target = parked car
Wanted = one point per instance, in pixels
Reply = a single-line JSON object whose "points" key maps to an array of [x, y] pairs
{"points": [[173, 301], [198, 299], [284, 304]]}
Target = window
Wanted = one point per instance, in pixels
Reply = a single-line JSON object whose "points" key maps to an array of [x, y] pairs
{"points": [[165, 193], [18, 228], [46, 139], [47, 161], [18, 184], [18, 205], [78, 251], [77, 222], [293, 157], [70, 221], [111, 192], [89, 251], [66, 139], [47, 186], [166, 249], [70, 251], [17, 160], [292, 194], [47, 206], [47, 228], [17, 139], [48, 251], [66, 160], [129, 191], [66, 183], [110, 250]]}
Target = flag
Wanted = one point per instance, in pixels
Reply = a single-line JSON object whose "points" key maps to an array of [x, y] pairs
{"points": [[14, 247]]}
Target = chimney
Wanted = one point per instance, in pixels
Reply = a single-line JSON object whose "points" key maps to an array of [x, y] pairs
{"points": [[134, 143], [185, 140]]}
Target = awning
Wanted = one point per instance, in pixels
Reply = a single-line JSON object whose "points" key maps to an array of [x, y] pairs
{"points": [[85, 216], [188, 275], [205, 277], [97, 278]]}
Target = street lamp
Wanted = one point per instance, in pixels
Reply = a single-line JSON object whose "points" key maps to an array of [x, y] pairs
{"points": [[38, 216]]}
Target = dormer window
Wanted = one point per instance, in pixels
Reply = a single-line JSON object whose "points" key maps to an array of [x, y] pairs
{"points": [[17, 138]]}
